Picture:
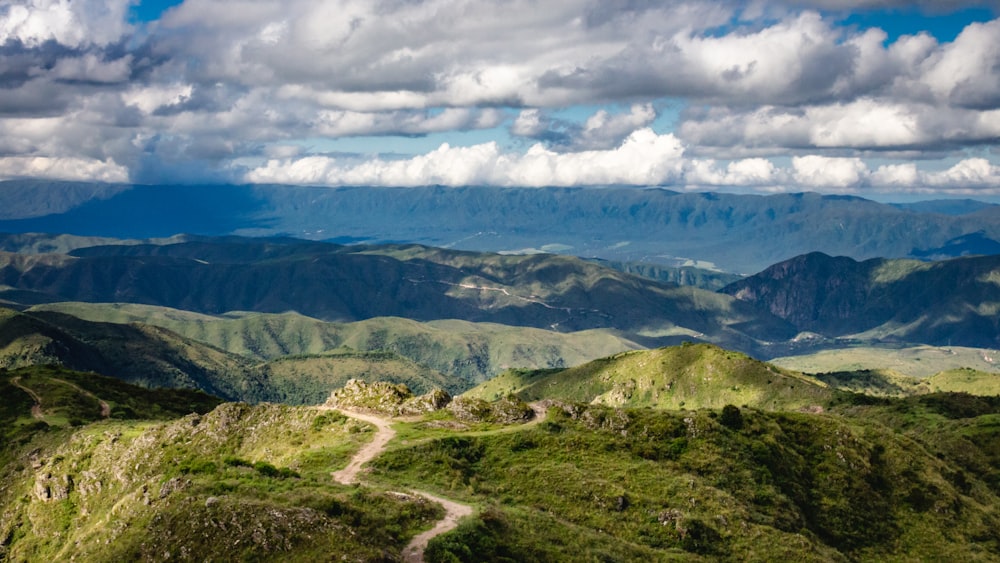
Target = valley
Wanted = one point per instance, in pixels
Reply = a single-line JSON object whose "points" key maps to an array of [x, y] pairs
{"points": [[286, 399]]}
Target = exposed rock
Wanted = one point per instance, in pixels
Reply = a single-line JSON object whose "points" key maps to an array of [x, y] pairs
{"points": [[509, 410], [386, 398], [174, 484]]}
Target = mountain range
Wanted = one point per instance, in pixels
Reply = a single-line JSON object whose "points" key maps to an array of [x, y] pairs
{"points": [[944, 302], [731, 232], [804, 304], [349, 283]]}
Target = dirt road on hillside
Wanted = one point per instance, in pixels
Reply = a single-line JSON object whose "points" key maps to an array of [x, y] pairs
{"points": [[105, 407], [36, 409], [453, 511]]}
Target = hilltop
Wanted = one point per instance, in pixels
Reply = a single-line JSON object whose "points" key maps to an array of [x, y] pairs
{"points": [[691, 376]]}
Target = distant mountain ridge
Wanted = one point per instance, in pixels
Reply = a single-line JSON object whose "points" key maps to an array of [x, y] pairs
{"points": [[950, 301], [337, 283], [737, 233]]}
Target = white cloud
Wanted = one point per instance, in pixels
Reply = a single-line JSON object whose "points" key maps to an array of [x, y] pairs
{"points": [[347, 123], [862, 124], [967, 71], [644, 158], [71, 23], [825, 172], [605, 130], [69, 168], [150, 98], [529, 123], [91, 68]]}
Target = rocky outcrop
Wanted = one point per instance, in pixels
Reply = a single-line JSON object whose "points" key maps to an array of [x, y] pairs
{"points": [[393, 399], [509, 410]]}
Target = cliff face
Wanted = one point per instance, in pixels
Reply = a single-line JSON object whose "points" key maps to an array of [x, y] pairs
{"points": [[813, 291]]}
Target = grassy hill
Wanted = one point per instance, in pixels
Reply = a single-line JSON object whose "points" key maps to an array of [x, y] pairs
{"points": [[897, 482], [155, 357], [44, 398], [692, 376], [966, 380], [914, 361], [468, 352], [235, 483]]}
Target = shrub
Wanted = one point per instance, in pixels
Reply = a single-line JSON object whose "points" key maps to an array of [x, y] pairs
{"points": [[731, 418]]}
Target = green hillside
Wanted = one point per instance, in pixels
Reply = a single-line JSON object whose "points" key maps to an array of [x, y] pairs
{"points": [[692, 376], [869, 483], [966, 380], [468, 352], [155, 357], [237, 483], [914, 361]]}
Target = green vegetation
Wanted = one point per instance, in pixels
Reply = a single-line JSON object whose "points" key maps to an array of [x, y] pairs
{"points": [[784, 470], [687, 376], [914, 361], [966, 380], [67, 398], [625, 484], [239, 482], [940, 303]]}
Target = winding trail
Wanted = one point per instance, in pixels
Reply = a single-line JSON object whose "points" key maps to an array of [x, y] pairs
{"points": [[453, 511], [105, 407], [36, 409], [371, 450]]}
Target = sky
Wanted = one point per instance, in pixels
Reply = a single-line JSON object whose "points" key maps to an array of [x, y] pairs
{"points": [[878, 98]]}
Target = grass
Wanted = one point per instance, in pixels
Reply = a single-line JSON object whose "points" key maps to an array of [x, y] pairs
{"points": [[661, 484], [872, 478], [687, 375], [913, 361], [244, 482]]}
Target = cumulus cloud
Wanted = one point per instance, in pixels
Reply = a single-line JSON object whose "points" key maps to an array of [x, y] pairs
{"points": [[644, 158], [864, 124], [72, 23], [62, 169], [219, 82]]}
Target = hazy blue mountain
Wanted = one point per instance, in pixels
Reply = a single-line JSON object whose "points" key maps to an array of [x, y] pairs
{"points": [[737, 233], [946, 206]]}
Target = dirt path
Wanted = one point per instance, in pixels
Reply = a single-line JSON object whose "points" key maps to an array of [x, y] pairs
{"points": [[371, 450], [36, 409], [453, 511], [105, 408]]}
